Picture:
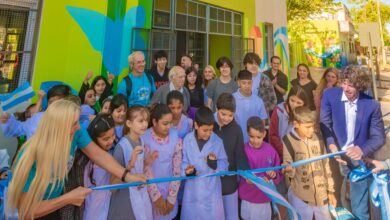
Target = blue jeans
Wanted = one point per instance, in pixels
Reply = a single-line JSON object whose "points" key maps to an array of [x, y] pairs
{"points": [[359, 199]]}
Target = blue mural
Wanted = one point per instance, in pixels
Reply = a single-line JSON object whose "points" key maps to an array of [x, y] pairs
{"points": [[111, 37]]}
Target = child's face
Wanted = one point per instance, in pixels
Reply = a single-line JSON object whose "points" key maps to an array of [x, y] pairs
{"points": [[245, 87], [204, 132], [294, 102], [191, 78], [99, 87], [106, 107], [225, 70], [162, 126], [90, 98], [224, 116], [106, 139], [256, 137], [161, 62], [176, 107], [252, 67], [139, 124], [119, 115], [304, 130]]}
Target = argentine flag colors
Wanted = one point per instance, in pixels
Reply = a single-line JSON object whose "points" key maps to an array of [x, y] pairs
{"points": [[21, 95]]}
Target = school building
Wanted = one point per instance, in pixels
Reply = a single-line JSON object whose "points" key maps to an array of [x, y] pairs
{"points": [[61, 40]]}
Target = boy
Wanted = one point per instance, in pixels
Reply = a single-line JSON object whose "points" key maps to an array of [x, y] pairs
{"points": [[312, 186], [230, 132], [203, 153], [260, 155], [160, 71], [262, 85], [248, 104]]}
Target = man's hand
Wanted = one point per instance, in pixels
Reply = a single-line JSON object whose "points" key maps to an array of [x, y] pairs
{"points": [[355, 153], [333, 148]]}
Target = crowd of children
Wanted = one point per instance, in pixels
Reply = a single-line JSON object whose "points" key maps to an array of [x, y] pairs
{"points": [[170, 123]]}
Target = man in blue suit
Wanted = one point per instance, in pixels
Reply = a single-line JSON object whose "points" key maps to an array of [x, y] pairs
{"points": [[352, 121]]}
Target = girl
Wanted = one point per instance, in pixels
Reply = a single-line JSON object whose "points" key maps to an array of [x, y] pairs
{"points": [[180, 122], [132, 202], [106, 105], [166, 142], [224, 83], [101, 86], [329, 79], [102, 132], [118, 109], [305, 81], [280, 123], [260, 155], [87, 111], [194, 86]]}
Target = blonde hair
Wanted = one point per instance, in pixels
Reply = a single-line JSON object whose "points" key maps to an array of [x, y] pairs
{"points": [[174, 71], [323, 83], [303, 114], [206, 82], [130, 58], [48, 150]]}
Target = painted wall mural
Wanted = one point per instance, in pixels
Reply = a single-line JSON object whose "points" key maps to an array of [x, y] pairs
{"points": [[323, 51], [111, 35]]}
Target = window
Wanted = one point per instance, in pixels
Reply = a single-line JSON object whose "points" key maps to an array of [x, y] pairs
{"points": [[241, 46], [225, 22], [269, 38], [190, 16], [19, 25], [196, 47], [161, 14]]}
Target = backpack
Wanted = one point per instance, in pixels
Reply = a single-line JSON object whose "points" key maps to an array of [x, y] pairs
{"points": [[129, 84]]}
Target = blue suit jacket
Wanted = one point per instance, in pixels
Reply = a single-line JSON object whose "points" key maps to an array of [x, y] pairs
{"points": [[369, 126]]}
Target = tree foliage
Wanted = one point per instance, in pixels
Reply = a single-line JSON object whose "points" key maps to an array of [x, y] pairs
{"points": [[302, 9], [367, 11]]}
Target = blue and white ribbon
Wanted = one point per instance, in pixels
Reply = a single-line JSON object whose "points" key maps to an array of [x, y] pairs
{"points": [[379, 191], [341, 213]]}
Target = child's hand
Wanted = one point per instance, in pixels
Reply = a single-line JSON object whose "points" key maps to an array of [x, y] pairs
{"points": [[41, 94], [110, 77], [88, 76], [212, 161], [266, 179], [271, 174], [160, 206], [378, 166], [150, 158], [212, 156], [332, 200], [288, 169], [190, 170], [333, 148], [4, 117], [134, 156], [135, 177]]}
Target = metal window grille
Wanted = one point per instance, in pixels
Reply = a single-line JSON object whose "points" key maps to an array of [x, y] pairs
{"points": [[19, 26]]}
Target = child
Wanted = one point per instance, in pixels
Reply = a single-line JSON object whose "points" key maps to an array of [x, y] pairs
{"points": [[248, 104], [312, 186], [230, 132], [106, 105], [166, 142], [132, 202], [194, 86], [280, 120], [118, 109], [101, 86], [180, 122], [102, 132], [203, 153], [87, 111], [260, 155], [224, 83]]}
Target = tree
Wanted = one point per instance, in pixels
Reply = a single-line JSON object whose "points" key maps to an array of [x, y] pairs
{"points": [[366, 11], [302, 9]]}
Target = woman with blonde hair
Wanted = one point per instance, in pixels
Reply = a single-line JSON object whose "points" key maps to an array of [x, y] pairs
{"points": [[329, 79], [45, 159]]}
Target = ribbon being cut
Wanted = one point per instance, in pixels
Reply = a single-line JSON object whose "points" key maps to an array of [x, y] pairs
{"points": [[379, 188]]}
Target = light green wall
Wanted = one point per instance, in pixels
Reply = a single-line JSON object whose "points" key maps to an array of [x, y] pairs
{"points": [[219, 46]]}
